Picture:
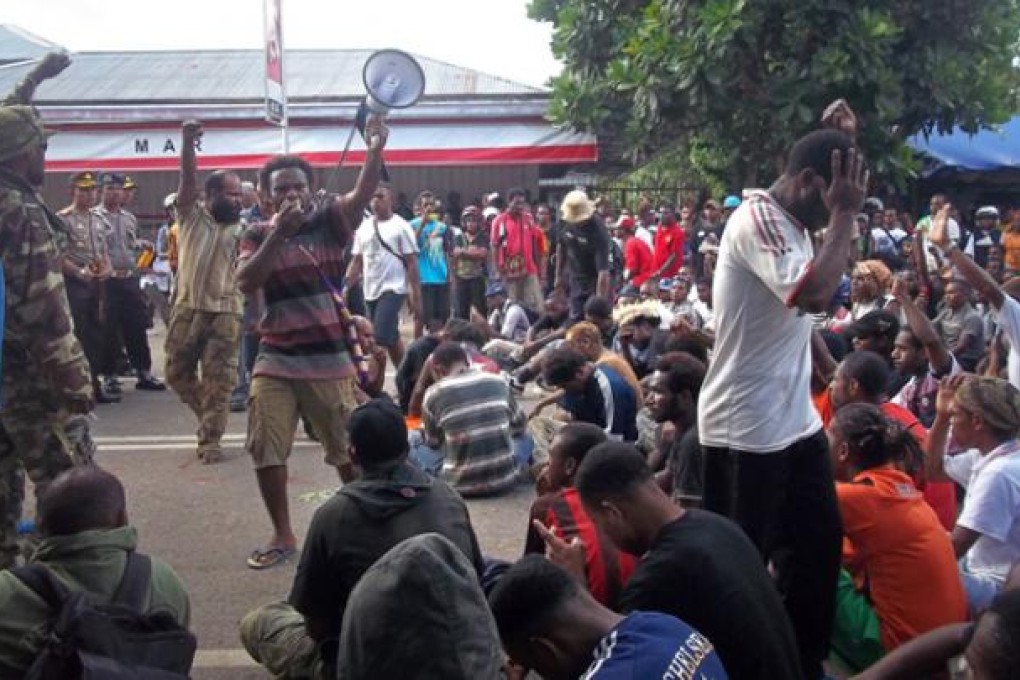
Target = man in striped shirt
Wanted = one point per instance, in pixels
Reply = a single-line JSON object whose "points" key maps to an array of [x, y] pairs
{"points": [[295, 264], [469, 419]]}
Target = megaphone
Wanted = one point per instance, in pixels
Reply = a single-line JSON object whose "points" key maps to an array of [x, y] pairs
{"points": [[393, 80]]}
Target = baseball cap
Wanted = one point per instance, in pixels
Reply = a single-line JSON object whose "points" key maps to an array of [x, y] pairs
{"points": [[731, 202], [879, 322], [490, 212], [987, 211]]}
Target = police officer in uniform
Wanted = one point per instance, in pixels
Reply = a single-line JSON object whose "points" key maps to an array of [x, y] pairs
{"points": [[47, 388], [86, 268]]}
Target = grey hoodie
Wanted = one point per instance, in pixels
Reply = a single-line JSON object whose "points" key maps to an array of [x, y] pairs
{"points": [[419, 613]]}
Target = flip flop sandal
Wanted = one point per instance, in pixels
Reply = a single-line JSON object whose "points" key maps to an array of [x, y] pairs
{"points": [[269, 557]]}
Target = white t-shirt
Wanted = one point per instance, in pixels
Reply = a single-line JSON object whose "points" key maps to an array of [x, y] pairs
{"points": [[1008, 318], [757, 394], [645, 236], [383, 272], [923, 227], [992, 507]]}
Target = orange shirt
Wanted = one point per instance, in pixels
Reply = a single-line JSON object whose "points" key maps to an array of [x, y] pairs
{"points": [[895, 539], [1010, 243]]}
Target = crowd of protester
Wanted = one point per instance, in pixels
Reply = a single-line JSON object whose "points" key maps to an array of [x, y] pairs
{"points": [[776, 434]]}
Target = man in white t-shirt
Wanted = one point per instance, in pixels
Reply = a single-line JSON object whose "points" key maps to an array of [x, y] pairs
{"points": [[766, 455], [923, 227], [1003, 299], [386, 263]]}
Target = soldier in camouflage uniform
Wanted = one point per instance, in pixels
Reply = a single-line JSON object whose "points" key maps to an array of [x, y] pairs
{"points": [[47, 389], [206, 317]]}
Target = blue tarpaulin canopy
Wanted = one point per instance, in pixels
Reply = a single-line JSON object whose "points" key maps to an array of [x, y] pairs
{"points": [[960, 152]]}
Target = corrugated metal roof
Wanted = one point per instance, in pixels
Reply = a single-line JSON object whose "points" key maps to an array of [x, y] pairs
{"points": [[238, 75], [19, 45]]}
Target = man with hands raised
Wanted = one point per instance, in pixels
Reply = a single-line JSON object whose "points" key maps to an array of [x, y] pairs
{"points": [[309, 358], [766, 457]]}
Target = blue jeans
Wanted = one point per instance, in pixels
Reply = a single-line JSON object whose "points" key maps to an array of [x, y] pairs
{"points": [[430, 460]]}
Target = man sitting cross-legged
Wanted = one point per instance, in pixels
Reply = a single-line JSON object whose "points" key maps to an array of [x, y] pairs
{"points": [[548, 622], [696, 565], [391, 502], [560, 510], [86, 543]]}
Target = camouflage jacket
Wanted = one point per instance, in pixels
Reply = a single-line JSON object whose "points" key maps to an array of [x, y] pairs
{"points": [[38, 337]]}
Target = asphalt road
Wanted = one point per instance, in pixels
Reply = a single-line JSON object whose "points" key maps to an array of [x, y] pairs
{"points": [[204, 520]]}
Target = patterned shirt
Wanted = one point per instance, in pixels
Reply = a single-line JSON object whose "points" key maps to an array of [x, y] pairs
{"points": [[41, 354], [206, 256], [301, 334], [472, 415], [121, 237]]}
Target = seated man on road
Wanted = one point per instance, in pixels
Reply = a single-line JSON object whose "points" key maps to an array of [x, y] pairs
{"points": [[549, 623], [559, 510], [585, 338], [376, 355], [469, 422], [696, 565], [508, 319], [593, 393], [86, 541], [599, 311], [391, 502], [420, 612], [673, 400], [640, 340]]}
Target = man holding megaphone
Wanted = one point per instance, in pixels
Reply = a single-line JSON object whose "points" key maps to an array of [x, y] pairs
{"points": [[309, 359]]}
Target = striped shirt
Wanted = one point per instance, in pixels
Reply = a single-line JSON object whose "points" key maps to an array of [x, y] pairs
{"points": [[206, 256], [301, 334], [606, 568], [472, 415]]}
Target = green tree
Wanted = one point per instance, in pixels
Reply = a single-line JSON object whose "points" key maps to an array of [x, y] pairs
{"points": [[737, 81]]}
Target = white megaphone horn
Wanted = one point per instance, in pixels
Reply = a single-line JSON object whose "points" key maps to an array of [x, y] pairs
{"points": [[393, 80]]}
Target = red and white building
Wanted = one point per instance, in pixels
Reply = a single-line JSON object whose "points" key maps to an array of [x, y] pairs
{"points": [[471, 133]]}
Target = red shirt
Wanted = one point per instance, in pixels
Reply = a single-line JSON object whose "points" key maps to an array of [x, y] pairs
{"points": [[638, 260], [607, 568], [941, 496], [669, 241]]}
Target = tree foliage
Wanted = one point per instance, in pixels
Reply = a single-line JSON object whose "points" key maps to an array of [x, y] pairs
{"points": [[737, 81]]}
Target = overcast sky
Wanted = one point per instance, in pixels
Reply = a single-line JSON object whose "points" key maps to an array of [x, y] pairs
{"points": [[493, 36]]}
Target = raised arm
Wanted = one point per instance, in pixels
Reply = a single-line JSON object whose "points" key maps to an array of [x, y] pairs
{"points": [[938, 436], [351, 206], [921, 326], [968, 268], [51, 65], [187, 190]]}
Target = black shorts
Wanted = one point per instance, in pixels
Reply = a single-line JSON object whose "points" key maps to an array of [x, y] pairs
{"points": [[385, 316], [435, 302]]}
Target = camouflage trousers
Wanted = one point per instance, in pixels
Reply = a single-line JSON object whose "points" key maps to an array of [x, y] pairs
{"points": [[275, 637], [31, 443], [203, 343]]}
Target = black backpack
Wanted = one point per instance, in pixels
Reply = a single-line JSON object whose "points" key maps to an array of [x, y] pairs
{"points": [[114, 641]]}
